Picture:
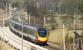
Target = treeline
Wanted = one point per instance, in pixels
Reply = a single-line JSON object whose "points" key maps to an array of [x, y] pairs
{"points": [[43, 8], [51, 6], [46, 6]]}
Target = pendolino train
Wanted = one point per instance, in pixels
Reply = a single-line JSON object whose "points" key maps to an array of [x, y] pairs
{"points": [[31, 33]]}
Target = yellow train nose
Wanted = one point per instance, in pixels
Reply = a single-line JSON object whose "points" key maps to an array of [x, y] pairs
{"points": [[42, 39]]}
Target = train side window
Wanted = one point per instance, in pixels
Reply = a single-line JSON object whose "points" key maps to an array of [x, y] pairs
{"points": [[20, 28], [16, 26], [32, 32], [27, 30], [12, 24], [24, 29]]}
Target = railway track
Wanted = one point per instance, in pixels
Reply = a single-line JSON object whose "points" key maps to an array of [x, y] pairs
{"points": [[15, 40], [49, 45]]}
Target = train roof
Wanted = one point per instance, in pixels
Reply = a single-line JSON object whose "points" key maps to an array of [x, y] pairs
{"points": [[28, 26]]}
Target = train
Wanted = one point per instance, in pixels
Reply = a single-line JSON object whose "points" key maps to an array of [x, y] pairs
{"points": [[31, 33]]}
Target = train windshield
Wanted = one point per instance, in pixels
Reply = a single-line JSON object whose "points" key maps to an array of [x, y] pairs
{"points": [[42, 32]]}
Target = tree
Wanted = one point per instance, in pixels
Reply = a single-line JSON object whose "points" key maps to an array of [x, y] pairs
{"points": [[81, 6]]}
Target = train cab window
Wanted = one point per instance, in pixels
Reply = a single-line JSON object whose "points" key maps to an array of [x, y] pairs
{"points": [[42, 32]]}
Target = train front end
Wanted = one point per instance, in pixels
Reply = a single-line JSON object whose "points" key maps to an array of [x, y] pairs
{"points": [[42, 36]]}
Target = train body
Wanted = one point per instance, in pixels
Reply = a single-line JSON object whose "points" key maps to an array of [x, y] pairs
{"points": [[32, 33]]}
